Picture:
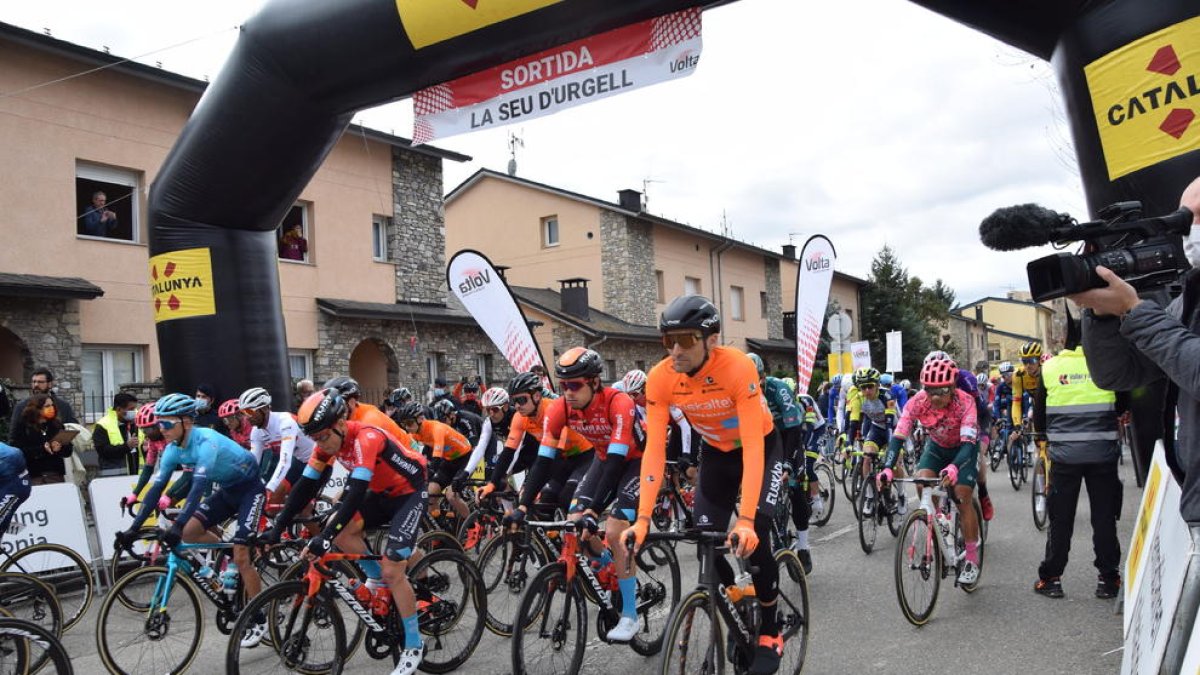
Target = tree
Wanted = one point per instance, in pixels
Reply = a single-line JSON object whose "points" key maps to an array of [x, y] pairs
{"points": [[892, 300]]}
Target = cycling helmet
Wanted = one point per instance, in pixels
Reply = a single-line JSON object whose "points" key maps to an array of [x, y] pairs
{"points": [[229, 408], [254, 398], [691, 311], [886, 379], [175, 405], [791, 383], [1031, 350], [936, 354], [347, 387], [410, 411], [494, 397], [982, 381], [619, 385], [758, 363], [399, 397], [634, 381], [1006, 368], [865, 376], [906, 384], [145, 416], [578, 362], [321, 410], [939, 372], [835, 381], [443, 408], [524, 382]]}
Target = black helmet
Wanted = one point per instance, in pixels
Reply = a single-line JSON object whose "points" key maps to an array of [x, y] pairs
{"points": [[443, 408], [409, 411], [321, 411], [691, 311], [524, 382], [399, 397], [578, 362], [346, 386]]}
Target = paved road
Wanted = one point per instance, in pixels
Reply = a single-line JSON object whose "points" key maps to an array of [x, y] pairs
{"points": [[857, 625]]}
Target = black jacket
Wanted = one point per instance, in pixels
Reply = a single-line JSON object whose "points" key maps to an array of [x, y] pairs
{"points": [[32, 442]]}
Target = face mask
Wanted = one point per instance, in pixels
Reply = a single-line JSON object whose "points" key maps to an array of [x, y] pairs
{"points": [[1191, 246], [49, 413], [202, 404], [439, 392]]}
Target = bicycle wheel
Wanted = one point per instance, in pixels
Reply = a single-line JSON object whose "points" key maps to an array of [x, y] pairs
{"points": [[995, 455], [1016, 458], [781, 534], [851, 474], [307, 635], [356, 630], [894, 519], [451, 606], [1029, 454], [839, 463], [1039, 493], [657, 592], [663, 515], [918, 568], [147, 551], [506, 567], [960, 544], [828, 495], [162, 640], [693, 641], [64, 570], [551, 625], [794, 617], [26, 647], [437, 540], [24, 597], [477, 528], [868, 509]]}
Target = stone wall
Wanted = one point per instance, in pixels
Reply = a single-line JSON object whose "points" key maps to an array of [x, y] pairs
{"points": [[418, 240], [49, 331], [627, 258], [627, 354], [774, 298]]}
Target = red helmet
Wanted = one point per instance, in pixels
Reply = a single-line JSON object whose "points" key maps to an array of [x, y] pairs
{"points": [[228, 408], [145, 416], [939, 372]]}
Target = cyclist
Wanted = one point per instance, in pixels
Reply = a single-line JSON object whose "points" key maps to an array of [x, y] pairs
{"points": [[814, 429], [682, 444], [397, 398], [1002, 404], [497, 420], [14, 484], [789, 423], [235, 422], [470, 397], [1027, 382], [448, 451], [948, 415], [896, 389], [218, 460], [717, 388], [464, 422], [386, 485], [152, 449], [365, 412], [872, 417], [279, 434]]}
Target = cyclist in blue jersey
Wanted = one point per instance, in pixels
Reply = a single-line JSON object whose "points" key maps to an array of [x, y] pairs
{"points": [[14, 484], [897, 390], [214, 459]]}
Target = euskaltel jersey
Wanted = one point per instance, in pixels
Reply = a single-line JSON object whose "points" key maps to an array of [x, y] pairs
{"points": [[606, 422], [723, 403], [447, 443], [372, 416], [374, 455], [572, 444]]}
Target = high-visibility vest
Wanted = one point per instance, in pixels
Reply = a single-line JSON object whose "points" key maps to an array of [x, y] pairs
{"points": [[1081, 418]]}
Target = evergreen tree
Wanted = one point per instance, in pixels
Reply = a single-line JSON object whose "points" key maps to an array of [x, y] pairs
{"points": [[893, 300]]}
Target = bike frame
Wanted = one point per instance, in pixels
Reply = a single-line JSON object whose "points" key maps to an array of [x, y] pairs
{"points": [[934, 491], [177, 564]]}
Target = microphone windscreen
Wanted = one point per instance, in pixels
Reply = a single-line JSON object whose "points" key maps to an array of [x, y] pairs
{"points": [[1016, 227]]}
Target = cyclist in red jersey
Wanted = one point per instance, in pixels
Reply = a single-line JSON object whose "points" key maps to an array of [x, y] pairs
{"points": [[717, 389], [386, 485], [449, 452]]}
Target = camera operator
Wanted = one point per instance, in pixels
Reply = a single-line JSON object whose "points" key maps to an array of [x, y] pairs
{"points": [[1131, 342]]}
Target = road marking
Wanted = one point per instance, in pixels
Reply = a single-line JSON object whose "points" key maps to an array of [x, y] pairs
{"points": [[837, 533], [1113, 651]]}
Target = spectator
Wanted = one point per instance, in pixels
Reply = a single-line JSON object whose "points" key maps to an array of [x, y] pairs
{"points": [[439, 392], [99, 221], [470, 396], [823, 397], [206, 410], [42, 382], [116, 438], [38, 422], [293, 245], [5, 412], [304, 389]]}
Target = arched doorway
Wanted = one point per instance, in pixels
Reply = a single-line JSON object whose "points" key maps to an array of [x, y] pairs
{"points": [[15, 360], [373, 363]]}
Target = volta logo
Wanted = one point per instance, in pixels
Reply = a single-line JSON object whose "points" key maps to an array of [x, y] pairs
{"points": [[817, 262], [474, 280]]}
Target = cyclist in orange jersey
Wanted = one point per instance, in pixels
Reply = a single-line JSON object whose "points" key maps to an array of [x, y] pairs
{"points": [[450, 451]]}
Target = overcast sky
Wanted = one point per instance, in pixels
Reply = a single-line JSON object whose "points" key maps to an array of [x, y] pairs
{"points": [[872, 122]]}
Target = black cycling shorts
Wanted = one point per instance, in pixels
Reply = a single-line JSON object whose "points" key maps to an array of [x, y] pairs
{"points": [[623, 497], [402, 513], [564, 479], [720, 481], [244, 499], [445, 473]]}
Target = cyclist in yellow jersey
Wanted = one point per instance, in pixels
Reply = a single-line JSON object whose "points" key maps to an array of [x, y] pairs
{"points": [[1028, 380]]}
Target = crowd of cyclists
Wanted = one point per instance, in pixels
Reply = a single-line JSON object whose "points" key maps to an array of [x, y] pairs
{"points": [[597, 454]]}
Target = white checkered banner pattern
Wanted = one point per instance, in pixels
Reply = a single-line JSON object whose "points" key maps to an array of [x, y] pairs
{"points": [[477, 284], [813, 280]]}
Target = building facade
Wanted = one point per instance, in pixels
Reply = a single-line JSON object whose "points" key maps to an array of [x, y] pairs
{"points": [[1011, 322]]}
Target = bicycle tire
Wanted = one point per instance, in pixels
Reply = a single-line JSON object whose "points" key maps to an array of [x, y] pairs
{"points": [[1016, 457], [996, 454], [538, 612], [868, 524], [504, 583], [661, 591], [106, 623], [447, 609], [123, 562], [679, 637], [347, 570], [894, 519], [24, 597], [1038, 493], [917, 552], [31, 644], [49, 563], [283, 605], [794, 611], [828, 491], [1024, 468]]}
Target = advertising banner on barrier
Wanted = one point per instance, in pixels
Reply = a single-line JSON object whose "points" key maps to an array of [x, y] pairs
{"points": [[54, 514], [477, 284], [860, 355], [813, 280], [596, 67]]}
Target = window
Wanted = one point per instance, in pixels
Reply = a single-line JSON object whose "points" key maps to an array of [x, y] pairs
{"points": [[640, 365], [294, 234], [550, 231], [658, 280], [300, 364], [106, 202], [433, 369], [993, 352], [691, 286], [105, 369], [483, 367], [737, 302], [610, 370], [381, 226], [762, 300]]}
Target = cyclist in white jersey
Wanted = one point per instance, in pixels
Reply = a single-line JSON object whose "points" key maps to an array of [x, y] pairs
{"points": [[277, 433]]}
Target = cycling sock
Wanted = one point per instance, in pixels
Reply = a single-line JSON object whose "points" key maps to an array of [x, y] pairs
{"points": [[973, 551], [770, 621], [802, 539], [371, 568], [628, 596], [983, 490], [412, 632]]}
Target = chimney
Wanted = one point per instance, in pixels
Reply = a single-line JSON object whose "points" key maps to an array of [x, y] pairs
{"points": [[501, 269], [789, 251], [979, 313], [630, 200], [575, 297]]}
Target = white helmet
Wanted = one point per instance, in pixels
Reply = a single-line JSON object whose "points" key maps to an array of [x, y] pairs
{"points": [[619, 385], [937, 354], [494, 397], [634, 381], [254, 398]]}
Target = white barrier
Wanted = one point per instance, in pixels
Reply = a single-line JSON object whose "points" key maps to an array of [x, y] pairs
{"points": [[53, 513], [106, 494]]}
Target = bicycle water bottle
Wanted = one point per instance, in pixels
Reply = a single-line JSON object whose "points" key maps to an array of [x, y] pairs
{"points": [[229, 580], [361, 592], [381, 597]]}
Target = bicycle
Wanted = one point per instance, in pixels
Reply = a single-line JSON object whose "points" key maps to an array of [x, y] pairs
{"points": [[825, 480], [26, 647], [507, 562], [1018, 462], [927, 553], [551, 620], [26, 598], [674, 506], [999, 449], [1039, 487], [308, 632], [874, 508], [63, 570], [693, 641]]}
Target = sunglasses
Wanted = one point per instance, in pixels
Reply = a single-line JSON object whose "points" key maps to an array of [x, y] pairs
{"points": [[166, 425], [684, 340], [521, 400], [939, 391], [320, 436], [869, 386], [1030, 362], [572, 386], [495, 409]]}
